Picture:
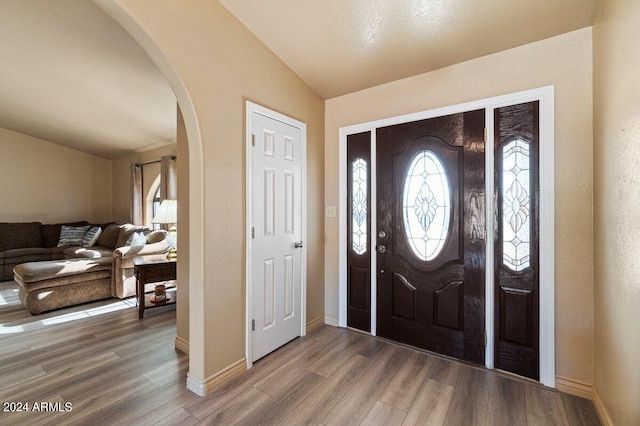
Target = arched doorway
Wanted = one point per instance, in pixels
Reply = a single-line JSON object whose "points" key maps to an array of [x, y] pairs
{"points": [[190, 270]]}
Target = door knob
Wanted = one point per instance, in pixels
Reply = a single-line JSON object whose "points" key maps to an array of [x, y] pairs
{"points": [[297, 244], [382, 234], [382, 249]]}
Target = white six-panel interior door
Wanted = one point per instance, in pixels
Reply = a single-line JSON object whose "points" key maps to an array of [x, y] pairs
{"points": [[275, 230]]}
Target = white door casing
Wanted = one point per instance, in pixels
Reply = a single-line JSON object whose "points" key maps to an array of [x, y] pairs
{"points": [[547, 249], [276, 279]]}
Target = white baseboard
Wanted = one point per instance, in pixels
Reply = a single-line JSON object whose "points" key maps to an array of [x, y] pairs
{"points": [[205, 387], [315, 323], [574, 387], [601, 409], [182, 344], [331, 320], [196, 385]]}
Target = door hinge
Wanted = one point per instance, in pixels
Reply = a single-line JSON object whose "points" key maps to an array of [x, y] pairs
{"points": [[253, 325], [485, 135], [253, 233], [253, 140], [485, 338]]}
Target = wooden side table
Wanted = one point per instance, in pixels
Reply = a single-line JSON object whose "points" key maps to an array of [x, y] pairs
{"points": [[151, 269]]}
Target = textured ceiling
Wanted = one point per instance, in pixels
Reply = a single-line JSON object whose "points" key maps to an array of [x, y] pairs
{"points": [[71, 75], [341, 46]]}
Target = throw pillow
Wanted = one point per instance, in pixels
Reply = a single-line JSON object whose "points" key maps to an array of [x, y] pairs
{"points": [[136, 240], [126, 231], [90, 238], [72, 235], [155, 236], [51, 233], [109, 236]]}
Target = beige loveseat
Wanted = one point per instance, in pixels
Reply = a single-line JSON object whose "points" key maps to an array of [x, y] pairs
{"points": [[112, 243]]}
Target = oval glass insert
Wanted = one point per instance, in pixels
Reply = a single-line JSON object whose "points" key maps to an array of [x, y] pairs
{"points": [[426, 205]]}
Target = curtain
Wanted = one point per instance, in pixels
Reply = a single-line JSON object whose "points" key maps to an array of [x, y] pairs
{"points": [[168, 178], [136, 195]]}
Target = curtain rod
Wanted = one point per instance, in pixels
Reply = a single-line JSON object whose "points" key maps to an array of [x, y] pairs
{"points": [[173, 157]]}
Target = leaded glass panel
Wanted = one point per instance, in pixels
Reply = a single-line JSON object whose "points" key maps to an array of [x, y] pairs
{"points": [[359, 206], [516, 205], [426, 205]]}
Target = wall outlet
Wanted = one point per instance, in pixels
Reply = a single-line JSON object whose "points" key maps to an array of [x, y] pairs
{"points": [[330, 211]]}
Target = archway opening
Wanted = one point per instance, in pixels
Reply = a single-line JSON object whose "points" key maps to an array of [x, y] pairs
{"points": [[190, 309]]}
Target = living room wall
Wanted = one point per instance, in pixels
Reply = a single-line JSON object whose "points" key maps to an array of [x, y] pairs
{"points": [[564, 61], [49, 183]]}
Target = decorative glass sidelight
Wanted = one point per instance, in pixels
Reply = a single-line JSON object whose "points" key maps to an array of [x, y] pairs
{"points": [[359, 206], [426, 205], [516, 205]]}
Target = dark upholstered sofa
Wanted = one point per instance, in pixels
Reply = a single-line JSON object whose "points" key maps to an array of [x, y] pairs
{"points": [[34, 242], [29, 242]]}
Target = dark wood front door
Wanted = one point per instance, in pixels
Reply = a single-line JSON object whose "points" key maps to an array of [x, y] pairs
{"points": [[431, 234]]}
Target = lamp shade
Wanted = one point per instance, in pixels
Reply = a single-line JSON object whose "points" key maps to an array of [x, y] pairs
{"points": [[167, 212]]}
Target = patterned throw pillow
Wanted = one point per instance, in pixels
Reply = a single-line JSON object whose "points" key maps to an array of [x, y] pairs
{"points": [[90, 238], [72, 235]]}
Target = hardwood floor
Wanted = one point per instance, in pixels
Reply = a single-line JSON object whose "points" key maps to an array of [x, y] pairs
{"points": [[115, 369]]}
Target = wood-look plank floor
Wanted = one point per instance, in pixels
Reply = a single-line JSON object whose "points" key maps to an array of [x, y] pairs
{"points": [[114, 369]]}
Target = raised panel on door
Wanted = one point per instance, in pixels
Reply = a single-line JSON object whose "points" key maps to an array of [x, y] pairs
{"points": [[430, 253], [358, 231], [517, 240]]}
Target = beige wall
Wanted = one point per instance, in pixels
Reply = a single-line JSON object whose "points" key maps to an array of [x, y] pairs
{"points": [[182, 311], [565, 62], [214, 64], [616, 78], [122, 175], [47, 183]]}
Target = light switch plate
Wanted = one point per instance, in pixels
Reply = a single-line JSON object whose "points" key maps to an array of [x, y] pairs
{"points": [[330, 211]]}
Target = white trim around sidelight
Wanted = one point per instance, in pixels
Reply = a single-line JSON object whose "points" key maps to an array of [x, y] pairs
{"points": [[545, 96]]}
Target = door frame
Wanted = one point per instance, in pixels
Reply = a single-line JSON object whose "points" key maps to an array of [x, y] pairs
{"points": [[545, 95], [250, 109]]}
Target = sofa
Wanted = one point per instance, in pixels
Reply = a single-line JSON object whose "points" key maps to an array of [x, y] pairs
{"points": [[29, 242], [22, 243]]}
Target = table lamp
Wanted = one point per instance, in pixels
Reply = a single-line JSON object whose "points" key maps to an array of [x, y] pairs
{"points": [[168, 214]]}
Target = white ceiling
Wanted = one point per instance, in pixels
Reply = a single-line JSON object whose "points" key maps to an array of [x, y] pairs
{"points": [[70, 75], [341, 46]]}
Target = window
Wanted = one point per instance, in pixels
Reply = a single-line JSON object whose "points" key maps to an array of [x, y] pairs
{"points": [[154, 207], [426, 205], [516, 205], [152, 202], [359, 206]]}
